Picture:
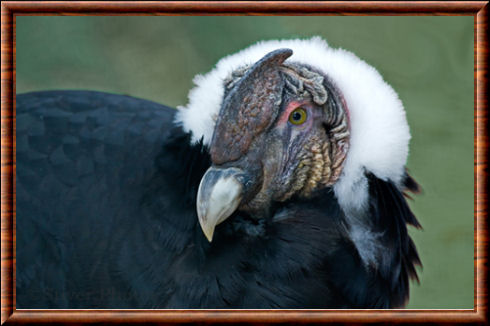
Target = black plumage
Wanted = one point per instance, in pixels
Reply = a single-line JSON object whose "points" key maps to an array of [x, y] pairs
{"points": [[106, 218]]}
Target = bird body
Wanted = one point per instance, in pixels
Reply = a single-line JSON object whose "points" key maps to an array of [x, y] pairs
{"points": [[257, 194]]}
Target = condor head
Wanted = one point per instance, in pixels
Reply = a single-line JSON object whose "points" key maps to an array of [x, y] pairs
{"points": [[282, 131]]}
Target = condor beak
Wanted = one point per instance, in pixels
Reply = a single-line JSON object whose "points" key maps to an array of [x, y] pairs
{"points": [[219, 194]]}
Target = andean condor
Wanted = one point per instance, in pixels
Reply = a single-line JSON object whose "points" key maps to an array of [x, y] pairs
{"points": [[279, 185]]}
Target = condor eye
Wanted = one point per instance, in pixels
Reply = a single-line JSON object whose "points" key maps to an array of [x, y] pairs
{"points": [[298, 116]]}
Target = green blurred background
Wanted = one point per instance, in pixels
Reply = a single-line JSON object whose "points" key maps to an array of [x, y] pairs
{"points": [[427, 60]]}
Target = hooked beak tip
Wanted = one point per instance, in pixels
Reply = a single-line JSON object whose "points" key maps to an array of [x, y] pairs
{"points": [[209, 234], [207, 228], [219, 195]]}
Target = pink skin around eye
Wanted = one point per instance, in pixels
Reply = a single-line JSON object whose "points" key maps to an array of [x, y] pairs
{"points": [[283, 119]]}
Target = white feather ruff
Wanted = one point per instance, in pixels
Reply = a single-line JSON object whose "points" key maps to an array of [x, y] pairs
{"points": [[379, 130]]}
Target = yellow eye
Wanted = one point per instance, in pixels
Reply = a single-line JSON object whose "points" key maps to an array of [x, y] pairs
{"points": [[298, 116]]}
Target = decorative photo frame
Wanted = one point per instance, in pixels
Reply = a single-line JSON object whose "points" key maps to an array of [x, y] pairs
{"points": [[10, 9]]}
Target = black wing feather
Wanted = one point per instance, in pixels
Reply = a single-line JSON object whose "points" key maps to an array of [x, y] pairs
{"points": [[391, 214], [79, 156]]}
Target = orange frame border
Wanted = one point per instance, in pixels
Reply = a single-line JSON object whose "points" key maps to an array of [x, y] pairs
{"points": [[9, 11]]}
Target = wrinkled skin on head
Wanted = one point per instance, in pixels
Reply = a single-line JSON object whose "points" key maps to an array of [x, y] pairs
{"points": [[260, 153]]}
